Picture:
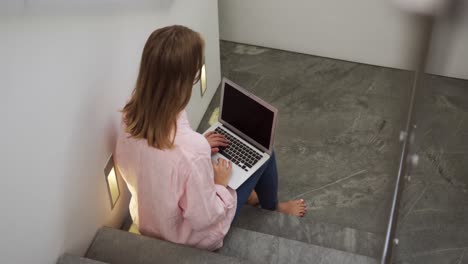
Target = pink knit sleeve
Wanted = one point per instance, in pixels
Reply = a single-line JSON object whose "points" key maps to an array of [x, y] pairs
{"points": [[204, 203]]}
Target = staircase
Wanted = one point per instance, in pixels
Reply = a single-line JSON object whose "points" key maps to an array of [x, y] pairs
{"points": [[258, 236]]}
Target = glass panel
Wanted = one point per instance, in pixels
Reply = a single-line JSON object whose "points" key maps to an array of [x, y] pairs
{"points": [[433, 217]]}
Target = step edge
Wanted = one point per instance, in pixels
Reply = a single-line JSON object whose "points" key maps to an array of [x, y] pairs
{"points": [[307, 244]]}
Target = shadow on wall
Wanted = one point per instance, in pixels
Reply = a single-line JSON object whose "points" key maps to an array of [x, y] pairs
{"points": [[448, 40], [88, 159], [81, 7]]}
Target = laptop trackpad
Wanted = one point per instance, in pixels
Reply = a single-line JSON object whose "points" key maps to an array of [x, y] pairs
{"points": [[238, 175]]}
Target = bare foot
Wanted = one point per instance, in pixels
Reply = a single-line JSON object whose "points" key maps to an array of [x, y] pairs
{"points": [[253, 199], [295, 207]]}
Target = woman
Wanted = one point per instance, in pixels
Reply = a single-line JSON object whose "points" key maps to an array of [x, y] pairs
{"points": [[178, 193]]}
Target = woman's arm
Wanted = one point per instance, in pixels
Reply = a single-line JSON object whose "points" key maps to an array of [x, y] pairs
{"points": [[205, 203]]}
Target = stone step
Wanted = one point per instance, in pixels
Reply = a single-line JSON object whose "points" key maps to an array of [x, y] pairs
{"points": [[121, 247], [311, 232], [72, 259], [264, 248]]}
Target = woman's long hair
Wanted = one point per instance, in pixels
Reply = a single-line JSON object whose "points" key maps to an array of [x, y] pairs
{"points": [[170, 65]]}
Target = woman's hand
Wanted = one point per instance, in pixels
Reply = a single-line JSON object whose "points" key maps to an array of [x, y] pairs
{"points": [[216, 140], [222, 171]]}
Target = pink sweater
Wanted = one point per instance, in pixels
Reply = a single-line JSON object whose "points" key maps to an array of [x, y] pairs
{"points": [[173, 192]]}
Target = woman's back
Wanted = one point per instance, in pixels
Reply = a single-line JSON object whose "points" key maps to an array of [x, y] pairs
{"points": [[173, 193]]}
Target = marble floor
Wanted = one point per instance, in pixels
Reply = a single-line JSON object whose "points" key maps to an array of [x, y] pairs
{"points": [[337, 144]]}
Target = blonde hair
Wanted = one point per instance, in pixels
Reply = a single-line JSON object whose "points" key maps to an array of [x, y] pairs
{"points": [[170, 65]]}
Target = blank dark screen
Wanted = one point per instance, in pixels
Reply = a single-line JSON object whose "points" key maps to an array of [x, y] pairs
{"points": [[247, 115]]}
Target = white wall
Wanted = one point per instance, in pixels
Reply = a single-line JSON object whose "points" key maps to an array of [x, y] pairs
{"points": [[63, 79], [449, 55], [366, 31]]}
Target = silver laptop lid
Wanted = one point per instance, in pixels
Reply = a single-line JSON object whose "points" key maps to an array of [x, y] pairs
{"points": [[248, 116]]}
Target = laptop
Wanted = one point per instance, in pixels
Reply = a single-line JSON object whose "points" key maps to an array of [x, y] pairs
{"points": [[249, 123]]}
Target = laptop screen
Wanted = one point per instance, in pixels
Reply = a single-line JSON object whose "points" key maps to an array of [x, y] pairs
{"points": [[247, 115]]}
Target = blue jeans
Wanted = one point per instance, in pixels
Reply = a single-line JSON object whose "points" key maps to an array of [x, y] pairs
{"points": [[265, 182]]}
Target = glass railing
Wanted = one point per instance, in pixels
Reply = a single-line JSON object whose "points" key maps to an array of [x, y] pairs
{"points": [[428, 222], [432, 224]]}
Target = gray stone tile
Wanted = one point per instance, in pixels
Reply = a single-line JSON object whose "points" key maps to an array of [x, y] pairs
{"points": [[263, 248], [120, 247], [455, 91], [364, 208], [253, 246], [264, 61], [433, 220], [310, 231], [442, 131], [444, 256], [442, 168], [291, 251], [338, 129], [442, 117], [290, 95]]}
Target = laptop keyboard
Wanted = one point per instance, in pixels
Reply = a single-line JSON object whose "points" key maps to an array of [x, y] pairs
{"points": [[238, 152]]}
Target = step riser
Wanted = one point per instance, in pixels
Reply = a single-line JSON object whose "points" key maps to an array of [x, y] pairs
{"points": [[240, 246], [307, 231], [120, 247], [262, 248]]}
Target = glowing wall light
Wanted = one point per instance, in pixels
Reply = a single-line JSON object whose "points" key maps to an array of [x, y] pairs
{"points": [[112, 182], [214, 117], [203, 80]]}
